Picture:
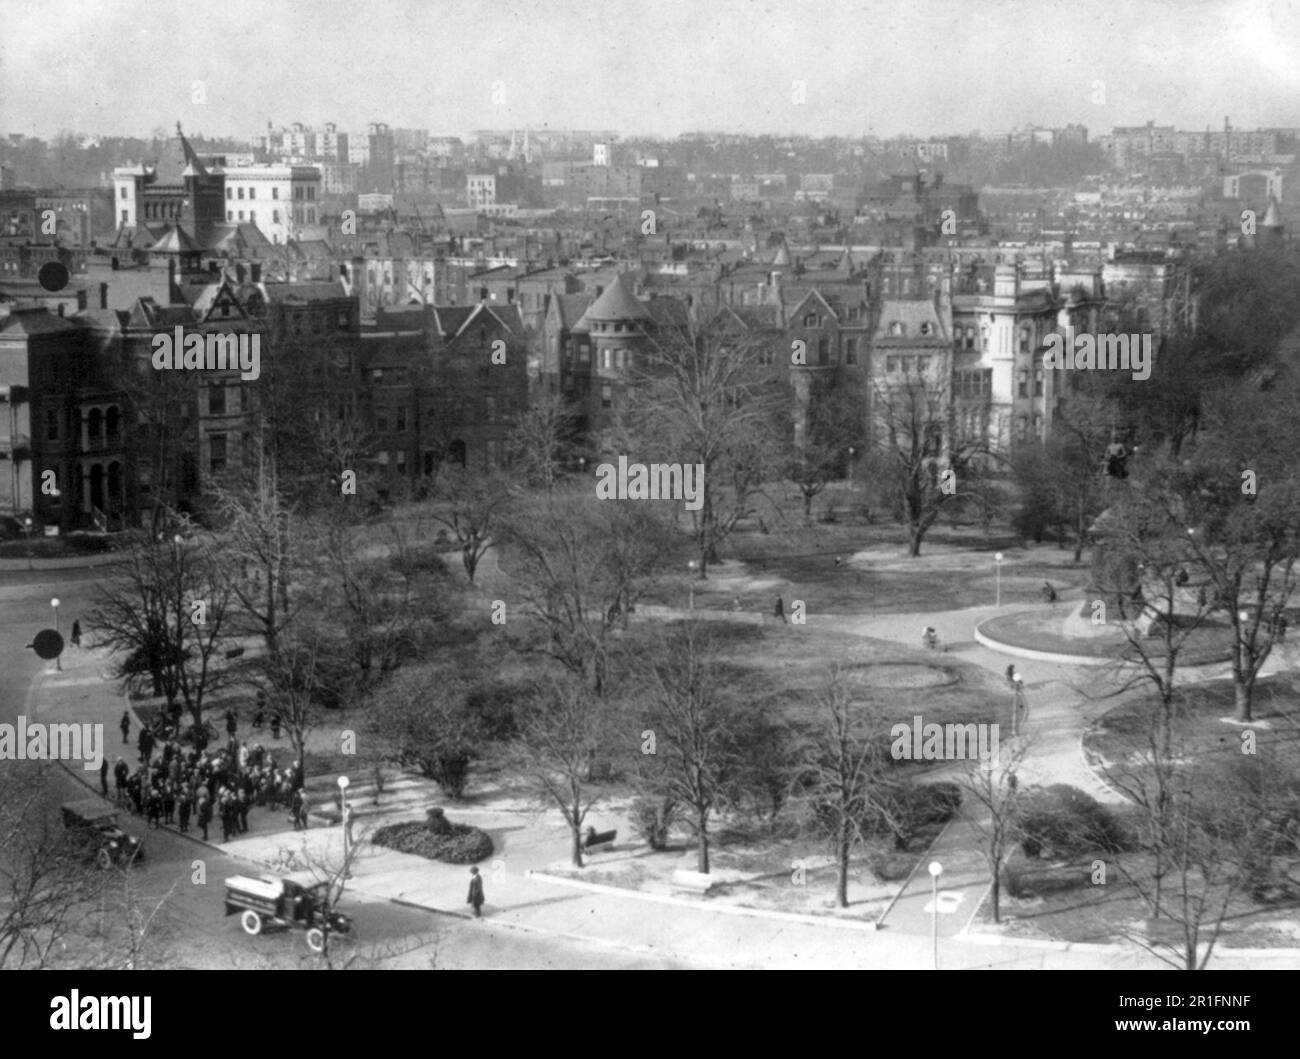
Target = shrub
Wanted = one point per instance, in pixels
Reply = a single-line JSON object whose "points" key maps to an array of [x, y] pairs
{"points": [[455, 844], [906, 810], [1061, 820], [652, 819]]}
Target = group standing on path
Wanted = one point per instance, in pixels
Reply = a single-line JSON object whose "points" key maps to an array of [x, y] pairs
{"points": [[187, 781]]}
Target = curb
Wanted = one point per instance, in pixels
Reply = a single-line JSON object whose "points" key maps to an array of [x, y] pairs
{"points": [[733, 910]]}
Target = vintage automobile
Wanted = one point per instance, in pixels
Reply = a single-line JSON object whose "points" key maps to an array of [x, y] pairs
{"points": [[297, 902], [92, 827]]}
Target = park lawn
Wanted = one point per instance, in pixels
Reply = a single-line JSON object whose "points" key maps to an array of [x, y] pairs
{"points": [[1118, 738], [875, 576], [1038, 630], [1061, 903]]}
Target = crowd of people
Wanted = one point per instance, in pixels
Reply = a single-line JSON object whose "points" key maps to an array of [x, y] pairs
{"points": [[175, 782]]}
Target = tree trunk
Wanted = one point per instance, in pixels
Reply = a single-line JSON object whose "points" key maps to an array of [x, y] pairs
{"points": [[914, 543], [577, 844], [1242, 695], [842, 889], [703, 854], [996, 894]]}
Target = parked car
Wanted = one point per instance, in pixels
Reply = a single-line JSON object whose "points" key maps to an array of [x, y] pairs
{"points": [[92, 827]]}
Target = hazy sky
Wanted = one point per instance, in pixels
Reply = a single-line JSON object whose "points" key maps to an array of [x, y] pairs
{"points": [[124, 67]]}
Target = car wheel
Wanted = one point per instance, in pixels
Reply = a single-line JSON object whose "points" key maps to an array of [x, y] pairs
{"points": [[316, 939], [104, 859], [251, 922]]}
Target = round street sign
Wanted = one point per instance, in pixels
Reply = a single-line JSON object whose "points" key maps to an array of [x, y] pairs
{"points": [[47, 643]]}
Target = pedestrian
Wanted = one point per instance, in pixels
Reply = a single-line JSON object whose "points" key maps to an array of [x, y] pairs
{"points": [[183, 808], [125, 725], [1011, 674], [103, 777], [145, 745], [243, 800], [121, 773], [779, 610], [154, 808], [275, 724], [475, 892], [232, 725], [205, 814], [169, 803], [304, 807], [76, 633]]}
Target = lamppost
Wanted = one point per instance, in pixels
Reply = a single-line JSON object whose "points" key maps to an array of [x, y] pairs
{"points": [[343, 819], [1017, 703], [58, 663], [852, 451], [27, 529], [692, 566], [997, 559], [936, 869]]}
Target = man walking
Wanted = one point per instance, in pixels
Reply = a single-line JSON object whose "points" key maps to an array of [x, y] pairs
{"points": [[121, 773], [103, 777], [125, 725], [76, 633], [475, 892], [779, 610]]}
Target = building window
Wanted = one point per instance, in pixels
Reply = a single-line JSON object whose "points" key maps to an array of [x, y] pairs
{"points": [[810, 320], [230, 194], [252, 193], [891, 364], [230, 215], [490, 409], [896, 329], [51, 424], [124, 193], [216, 400], [1024, 340], [823, 351], [606, 397], [1038, 382], [401, 420], [252, 215], [926, 328], [241, 215], [1023, 387], [241, 193], [275, 193], [923, 364], [381, 420], [1022, 427], [216, 453]]}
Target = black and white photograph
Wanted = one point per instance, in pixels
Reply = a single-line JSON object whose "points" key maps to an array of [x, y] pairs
{"points": [[582, 486]]}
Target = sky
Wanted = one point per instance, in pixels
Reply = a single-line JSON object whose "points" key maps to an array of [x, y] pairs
{"points": [[648, 67]]}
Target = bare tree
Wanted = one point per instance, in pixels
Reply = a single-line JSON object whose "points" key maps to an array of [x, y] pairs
{"points": [[580, 565], [926, 457], [558, 743], [470, 504], [704, 399], [690, 756], [846, 765], [995, 791], [167, 613], [544, 440]]}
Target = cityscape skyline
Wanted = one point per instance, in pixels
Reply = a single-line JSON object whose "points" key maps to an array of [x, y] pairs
{"points": [[739, 66]]}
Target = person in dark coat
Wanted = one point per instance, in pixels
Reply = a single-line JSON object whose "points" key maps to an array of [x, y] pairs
{"points": [[103, 777], [183, 808], [121, 773], [275, 724], [1011, 674], [779, 610], [145, 745], [232, 724], [475, 892], [169, 803], [205, 814], [76, 634], [125, 725]]}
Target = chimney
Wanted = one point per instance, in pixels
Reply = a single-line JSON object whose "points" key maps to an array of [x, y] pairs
{"points": [[103, 295], [61, 307]]}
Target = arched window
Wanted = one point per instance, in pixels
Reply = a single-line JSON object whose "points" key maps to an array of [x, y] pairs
{"points": [[896, 329]]}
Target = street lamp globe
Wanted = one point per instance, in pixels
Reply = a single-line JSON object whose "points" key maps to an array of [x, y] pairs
{"points": [[54, 603], [936, 869], [997, 557], [343, 783]]}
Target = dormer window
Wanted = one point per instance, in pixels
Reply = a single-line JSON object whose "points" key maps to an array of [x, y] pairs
{"points": [[896, 329], [926, 329], [810, 320]]}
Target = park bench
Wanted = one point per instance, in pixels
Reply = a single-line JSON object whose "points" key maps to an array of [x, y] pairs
{"points": [[696, 882], [594, 840]]}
